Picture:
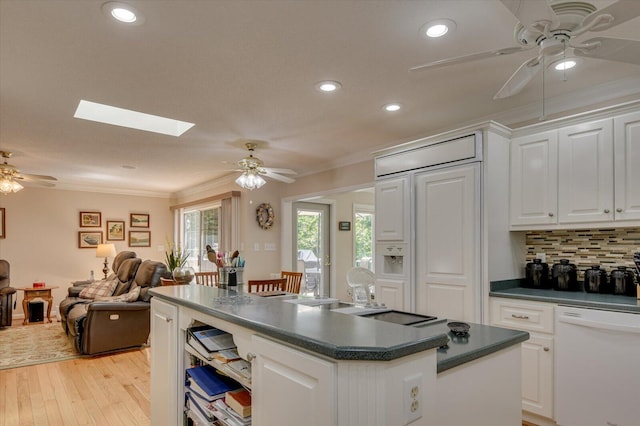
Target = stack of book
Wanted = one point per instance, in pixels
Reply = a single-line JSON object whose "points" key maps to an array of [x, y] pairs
{"points": [[203, 386], [209, 340]]}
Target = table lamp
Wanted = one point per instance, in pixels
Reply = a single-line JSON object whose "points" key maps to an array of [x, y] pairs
{"points": [[106, 250]]}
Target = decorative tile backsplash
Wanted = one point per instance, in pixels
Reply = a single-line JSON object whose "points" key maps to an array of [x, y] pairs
{"points": [[585, 247]]}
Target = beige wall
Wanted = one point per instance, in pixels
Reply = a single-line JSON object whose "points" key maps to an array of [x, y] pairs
{"points": [[42, 228]]}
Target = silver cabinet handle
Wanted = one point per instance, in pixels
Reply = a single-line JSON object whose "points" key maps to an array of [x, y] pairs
{"points": [[606, 211], [167, 319], [546, 349], [525, 317], [550, 214], [619, 210], [250, 356]]}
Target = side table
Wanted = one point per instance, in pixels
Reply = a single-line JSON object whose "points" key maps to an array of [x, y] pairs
{"points": [[31, 293]]}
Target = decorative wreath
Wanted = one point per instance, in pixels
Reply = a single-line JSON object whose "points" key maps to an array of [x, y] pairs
{"points": [[264, 215]]}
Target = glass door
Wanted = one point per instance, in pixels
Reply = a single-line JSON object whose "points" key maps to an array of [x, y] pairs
{"points": [[311, 243]]}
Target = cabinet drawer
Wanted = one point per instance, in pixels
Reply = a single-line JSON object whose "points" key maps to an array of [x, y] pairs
{"points": [[522, 315]]}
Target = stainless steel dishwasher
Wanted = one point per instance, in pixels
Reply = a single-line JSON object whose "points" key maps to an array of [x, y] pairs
{"points": [[597, 367]]}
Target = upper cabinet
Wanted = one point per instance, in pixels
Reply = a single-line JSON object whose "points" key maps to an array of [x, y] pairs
{"points": [[581, 175], [626, 129], [534, 179], [392, 209]]}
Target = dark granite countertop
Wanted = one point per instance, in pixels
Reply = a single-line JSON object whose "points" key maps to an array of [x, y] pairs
{"points": [[338, 336], [481, 340], [513, 289]]}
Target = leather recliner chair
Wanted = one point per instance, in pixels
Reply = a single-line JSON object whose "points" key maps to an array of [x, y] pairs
{"points": [[106, 326], [6, 294]]}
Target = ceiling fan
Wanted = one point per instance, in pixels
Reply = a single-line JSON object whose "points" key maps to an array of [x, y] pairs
{"points": [[253, 169], [552, 28], [11, 178]]}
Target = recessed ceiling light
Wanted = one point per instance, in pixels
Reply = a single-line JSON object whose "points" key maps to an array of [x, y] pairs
{"points": [[565, 65], [328, 86], [437, 28], [132, 119], [122, 13], [392, 107]]}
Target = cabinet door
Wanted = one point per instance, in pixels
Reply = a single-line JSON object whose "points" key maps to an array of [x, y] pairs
{"points": [[448, 242], [627, 166], [391, 293], [537, 375], [534, 179], [585, 173], [392, 209], [290, 387], [164, 369]]}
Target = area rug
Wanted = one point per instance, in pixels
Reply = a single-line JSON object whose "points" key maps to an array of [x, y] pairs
{"points": [[34, 344]]}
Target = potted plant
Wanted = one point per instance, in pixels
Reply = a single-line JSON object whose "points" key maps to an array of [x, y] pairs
{"points": [[176, 261]]}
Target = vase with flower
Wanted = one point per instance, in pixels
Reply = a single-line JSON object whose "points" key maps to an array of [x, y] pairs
{"points": [[176, 261]]}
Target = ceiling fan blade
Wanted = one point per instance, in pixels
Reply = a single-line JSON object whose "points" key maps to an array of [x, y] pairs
{"points": [[276, 176], [282, 171], [621, 11], [612, 49], [519, 79], [30, 182], [36, 177], [530, 12], [469, 58]]}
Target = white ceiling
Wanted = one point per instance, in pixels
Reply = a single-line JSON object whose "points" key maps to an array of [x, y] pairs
{"points": [[242, 69]]}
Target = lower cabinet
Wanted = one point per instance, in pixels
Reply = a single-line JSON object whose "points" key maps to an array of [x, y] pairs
{"points": [[164, 361], [305, 384], [537, 352]]}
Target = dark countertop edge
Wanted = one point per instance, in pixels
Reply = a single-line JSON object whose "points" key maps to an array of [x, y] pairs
{"points": [[511, 289], [454, 361], [331, 351]]}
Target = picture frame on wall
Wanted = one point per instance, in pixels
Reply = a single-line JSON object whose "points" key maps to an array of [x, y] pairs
{"points": [[90, 219], [115, 230], [139, 220], [89, 239], [2, 229], [139, 238]]}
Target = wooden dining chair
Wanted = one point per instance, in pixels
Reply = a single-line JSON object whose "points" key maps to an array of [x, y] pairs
{"points": [[293, 281], [209, 279], [266, 285]]}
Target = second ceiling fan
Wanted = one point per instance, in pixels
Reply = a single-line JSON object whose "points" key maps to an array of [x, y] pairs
{"points": [[553, 28]]}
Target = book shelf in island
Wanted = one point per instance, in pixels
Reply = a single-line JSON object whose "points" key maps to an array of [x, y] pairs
{"points": [[199, 411]]}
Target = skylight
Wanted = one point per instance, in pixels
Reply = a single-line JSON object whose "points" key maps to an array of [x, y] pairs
{"points": [[126, 118]]}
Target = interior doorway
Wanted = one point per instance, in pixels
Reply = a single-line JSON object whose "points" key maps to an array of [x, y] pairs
{"points": [[312, 242]]}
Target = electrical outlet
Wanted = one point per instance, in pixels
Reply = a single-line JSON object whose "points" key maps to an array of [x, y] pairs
{"points": [[542, 257], [411, 398]]}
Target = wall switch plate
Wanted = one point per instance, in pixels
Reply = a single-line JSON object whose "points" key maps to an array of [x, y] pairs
{"points": [[256, 246], [542, 257], [270, 246], [412, 398]]}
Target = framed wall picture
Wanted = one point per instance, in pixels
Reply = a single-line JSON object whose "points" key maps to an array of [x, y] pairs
{"points": [[115, 230], [139, 220], [90, 219], [89, 239], [3, 232], [139, 238]]}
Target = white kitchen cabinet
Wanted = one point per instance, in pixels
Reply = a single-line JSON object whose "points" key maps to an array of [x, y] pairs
{"points": [[291, 387], [627, 166], [392, 209], [534, 179], [391, 293], [585, 172], [448, 242], [537, 352], [164, 359]]}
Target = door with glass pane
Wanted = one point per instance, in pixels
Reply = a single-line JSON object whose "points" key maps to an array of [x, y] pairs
{"points": [[311, 242], [201, 229]]}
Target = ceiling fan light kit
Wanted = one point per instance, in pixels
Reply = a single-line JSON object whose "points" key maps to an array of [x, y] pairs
{"points": [[553, 28], [253, 169], [10, 175]]}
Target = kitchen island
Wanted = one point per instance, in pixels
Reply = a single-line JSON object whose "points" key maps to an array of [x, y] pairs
{"points": [[315, 366]]}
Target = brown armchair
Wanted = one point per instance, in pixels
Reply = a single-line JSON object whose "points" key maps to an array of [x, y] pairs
{"points": [[6, 294], [109, 325]]}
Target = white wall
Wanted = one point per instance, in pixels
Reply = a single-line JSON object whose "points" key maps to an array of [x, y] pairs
{"points": [[42, 228]]}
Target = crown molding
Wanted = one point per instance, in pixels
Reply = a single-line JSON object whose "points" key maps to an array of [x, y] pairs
{"points": [[66, 186]]}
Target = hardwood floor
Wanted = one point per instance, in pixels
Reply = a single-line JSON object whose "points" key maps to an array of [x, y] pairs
{"points": [[104, 390]]}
